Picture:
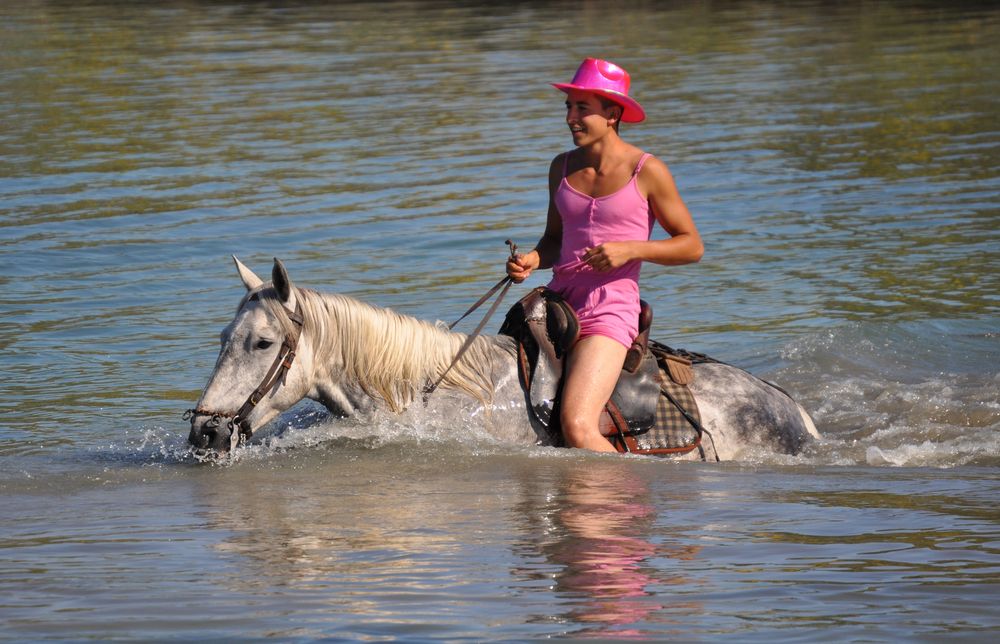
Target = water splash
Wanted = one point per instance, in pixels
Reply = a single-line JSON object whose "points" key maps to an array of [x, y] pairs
{"points": [[916, 394]]}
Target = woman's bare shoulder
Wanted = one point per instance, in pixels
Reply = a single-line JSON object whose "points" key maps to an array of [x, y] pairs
{"points": [[556, 169], [655, 178]]}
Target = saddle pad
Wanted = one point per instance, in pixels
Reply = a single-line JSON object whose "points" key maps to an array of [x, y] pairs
{"points": [[671, 429]]}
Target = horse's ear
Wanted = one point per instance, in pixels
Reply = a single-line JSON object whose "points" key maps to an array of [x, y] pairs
{"points": [[250, 279], [283, 285]]}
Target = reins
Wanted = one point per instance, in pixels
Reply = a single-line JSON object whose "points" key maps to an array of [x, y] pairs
{"points": [[239, 427], [505, 285]]}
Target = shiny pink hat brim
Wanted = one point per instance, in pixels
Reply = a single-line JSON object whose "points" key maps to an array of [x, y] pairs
{"points": [[632, 112]]}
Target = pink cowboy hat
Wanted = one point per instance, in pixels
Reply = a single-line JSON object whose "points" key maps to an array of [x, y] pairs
{"points": [[609, 80]]}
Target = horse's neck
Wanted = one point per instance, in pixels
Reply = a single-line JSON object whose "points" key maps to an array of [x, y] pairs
{"points": [[394, 355]]}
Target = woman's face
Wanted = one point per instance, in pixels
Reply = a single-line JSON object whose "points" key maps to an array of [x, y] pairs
{"points": [[586, 117]]}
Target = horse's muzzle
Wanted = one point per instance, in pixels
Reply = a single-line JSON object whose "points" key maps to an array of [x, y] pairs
{"points": [[208, 433]]}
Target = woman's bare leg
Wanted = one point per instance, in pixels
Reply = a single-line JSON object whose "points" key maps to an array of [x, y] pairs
{"points": [[592, 371]]}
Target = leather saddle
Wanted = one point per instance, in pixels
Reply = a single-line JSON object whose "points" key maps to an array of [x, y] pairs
{"points": [[545, 328]]}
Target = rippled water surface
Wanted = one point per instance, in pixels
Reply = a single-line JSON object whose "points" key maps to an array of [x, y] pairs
{"points": [[842, 162]]}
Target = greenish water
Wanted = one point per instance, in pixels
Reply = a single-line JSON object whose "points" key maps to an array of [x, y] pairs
{"points": [[841, 162]]}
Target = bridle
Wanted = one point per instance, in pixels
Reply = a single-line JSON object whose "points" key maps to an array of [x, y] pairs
{"points": [[239, 426]]}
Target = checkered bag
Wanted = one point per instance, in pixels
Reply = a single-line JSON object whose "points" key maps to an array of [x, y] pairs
{"points": [[672, 430]]}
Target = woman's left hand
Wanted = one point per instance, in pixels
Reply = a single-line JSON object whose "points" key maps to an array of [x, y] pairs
{"points": [[607, 256]]}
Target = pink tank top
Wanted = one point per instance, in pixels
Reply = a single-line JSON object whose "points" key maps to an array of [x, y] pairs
{"points": [[623, 215]]}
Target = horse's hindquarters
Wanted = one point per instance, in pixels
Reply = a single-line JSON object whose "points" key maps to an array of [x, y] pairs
{"points": [[741, 411]]}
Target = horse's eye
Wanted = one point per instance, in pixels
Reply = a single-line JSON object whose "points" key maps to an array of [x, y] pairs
{"points": [[263, 344]]}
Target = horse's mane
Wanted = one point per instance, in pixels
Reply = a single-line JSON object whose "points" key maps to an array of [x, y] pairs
{"points": [[389, 355]]}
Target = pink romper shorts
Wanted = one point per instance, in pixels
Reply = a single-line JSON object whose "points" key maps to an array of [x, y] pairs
{"points": [[607, 303]]}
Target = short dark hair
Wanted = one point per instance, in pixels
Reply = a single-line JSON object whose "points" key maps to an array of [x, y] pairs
{"points": [[607, 104]]}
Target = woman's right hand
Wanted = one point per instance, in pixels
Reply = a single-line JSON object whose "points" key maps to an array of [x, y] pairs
{"points": [[519, 266]]}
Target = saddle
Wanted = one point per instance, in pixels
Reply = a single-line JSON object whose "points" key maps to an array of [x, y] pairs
{"points": [[545, 328]]}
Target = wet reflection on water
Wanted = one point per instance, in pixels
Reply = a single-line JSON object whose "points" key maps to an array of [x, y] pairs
{"points": [[594, 532], [582, 544], [607, 517], [603, 520]]}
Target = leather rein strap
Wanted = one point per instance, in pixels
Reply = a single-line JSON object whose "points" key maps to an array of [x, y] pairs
{"points": [[239, 427], [505, 284]]}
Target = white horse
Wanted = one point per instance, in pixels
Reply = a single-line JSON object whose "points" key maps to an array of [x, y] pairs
{"points": [[288, 343]]}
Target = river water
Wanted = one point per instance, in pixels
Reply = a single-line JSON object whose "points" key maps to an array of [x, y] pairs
{"points": [[841, 161]]}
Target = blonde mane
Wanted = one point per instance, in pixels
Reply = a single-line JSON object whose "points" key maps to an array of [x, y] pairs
{"points": [[389, 355]]}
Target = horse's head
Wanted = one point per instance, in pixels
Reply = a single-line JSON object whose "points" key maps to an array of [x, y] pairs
{"points": [[256, 376]]}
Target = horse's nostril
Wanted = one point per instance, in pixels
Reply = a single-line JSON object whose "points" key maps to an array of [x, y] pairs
{"points": [[201, 439]]}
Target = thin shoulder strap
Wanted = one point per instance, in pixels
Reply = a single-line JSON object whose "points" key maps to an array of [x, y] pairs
{"points": [[642, 160]]}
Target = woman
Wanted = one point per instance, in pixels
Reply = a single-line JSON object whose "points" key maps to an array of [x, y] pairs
{"points": [[603, 198]]}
